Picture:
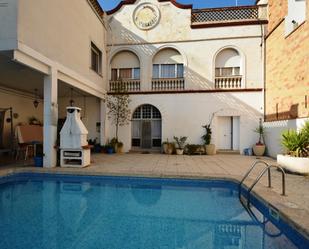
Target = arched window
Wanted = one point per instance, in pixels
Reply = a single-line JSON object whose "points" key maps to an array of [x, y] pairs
{"points": [[146, 127], [168, 64], [125, 66], [168, 70], [228, 71]]}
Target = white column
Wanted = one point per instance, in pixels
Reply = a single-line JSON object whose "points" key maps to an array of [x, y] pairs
{"points": [[50, 118], [103, 120]]}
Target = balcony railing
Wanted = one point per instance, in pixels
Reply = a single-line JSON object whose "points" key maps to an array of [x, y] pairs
{"points": [[230, 82], [229, 14], [125, 85], [168, 84]]}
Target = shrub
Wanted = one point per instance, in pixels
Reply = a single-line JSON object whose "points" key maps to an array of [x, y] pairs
{"points": [[180, 141], [297, 143], [193, 149]]}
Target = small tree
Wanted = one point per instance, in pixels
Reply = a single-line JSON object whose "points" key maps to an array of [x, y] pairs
{"points": [[118, 107], [261, 131]]}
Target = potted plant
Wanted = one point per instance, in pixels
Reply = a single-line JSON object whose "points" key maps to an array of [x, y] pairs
{"points": [[117, 145], [180, 142], [168, 147], [209, 148], [38, 157], [259, 147], [194, 149], [165, 146], [296, 144], [109, 149]]}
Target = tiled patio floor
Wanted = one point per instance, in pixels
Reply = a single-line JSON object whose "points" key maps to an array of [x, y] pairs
{"points": [[295, 204]]}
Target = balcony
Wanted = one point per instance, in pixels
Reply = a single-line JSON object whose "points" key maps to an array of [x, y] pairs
{"points": [[242, 15], [124, 85], [168, 84], [228, 82]]}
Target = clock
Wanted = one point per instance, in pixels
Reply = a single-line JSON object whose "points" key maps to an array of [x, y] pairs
{"points": [[146, 16]]}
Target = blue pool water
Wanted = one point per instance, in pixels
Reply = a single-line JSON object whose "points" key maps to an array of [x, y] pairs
{"points": [[60, 212]]}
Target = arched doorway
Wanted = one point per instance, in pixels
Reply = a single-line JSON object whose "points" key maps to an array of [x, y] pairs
{"points": [[147, 127]]}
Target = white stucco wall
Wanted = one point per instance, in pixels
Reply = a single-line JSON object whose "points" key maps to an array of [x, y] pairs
{"points": [[63, 31], [296, 13], [274, 131], [184, 115], [198, 47], [125, 59], [8, 25], [23, 106], [228, 58], [167, 56], [199, 60]]}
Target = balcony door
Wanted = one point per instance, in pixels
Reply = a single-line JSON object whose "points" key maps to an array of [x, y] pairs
{"points": [[146, 128]]}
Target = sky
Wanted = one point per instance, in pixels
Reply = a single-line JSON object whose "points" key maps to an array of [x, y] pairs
{"points": [[110, 4]]}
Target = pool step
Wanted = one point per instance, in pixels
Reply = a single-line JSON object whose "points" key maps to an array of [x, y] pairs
{"points": [[228, 152], [144, 151]]}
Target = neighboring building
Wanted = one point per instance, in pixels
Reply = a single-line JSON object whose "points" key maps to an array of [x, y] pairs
{"points": [[182, 67], [52, 46], [287, 69]]}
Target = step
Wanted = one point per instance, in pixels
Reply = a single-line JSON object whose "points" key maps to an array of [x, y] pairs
{"points": [[229, 152]]}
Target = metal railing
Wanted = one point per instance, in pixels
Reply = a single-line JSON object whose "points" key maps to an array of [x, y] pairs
{"points": [[229, 14], [228, 82], [168, 84], [125, 85], [266, 168]]}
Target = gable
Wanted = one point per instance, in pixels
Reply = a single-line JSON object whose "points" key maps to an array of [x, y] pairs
{"points": [[130, 2]]}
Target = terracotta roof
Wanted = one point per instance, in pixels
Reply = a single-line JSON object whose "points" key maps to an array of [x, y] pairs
{"points": [[97, 7], [127, 2]]}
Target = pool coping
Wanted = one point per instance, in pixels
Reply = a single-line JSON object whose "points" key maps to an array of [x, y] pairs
{"points": [[292, 216]]}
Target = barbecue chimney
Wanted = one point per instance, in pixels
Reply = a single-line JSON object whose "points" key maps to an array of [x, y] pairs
{"points": [[75, 151]]}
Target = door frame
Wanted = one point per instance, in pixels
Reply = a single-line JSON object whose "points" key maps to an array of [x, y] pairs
{"points": [[155, 116], [234, 143]]}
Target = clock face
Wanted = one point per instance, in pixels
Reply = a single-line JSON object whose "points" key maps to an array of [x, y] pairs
{"points": [[146, 16]]}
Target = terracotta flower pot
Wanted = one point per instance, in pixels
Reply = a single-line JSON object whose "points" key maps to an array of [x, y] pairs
{"points": [[259, 149], [119, 148], [165, 147], [169, 150], [210, 149]]}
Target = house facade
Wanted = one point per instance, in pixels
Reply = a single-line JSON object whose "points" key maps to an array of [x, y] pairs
{"points": [[287, 70], [51, 52], [184, 68]]}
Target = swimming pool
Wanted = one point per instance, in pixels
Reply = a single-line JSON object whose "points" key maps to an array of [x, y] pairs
{"points": [[61, 211]]}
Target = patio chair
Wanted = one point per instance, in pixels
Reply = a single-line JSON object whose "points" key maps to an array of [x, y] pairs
{"points": [[28, 136]]}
